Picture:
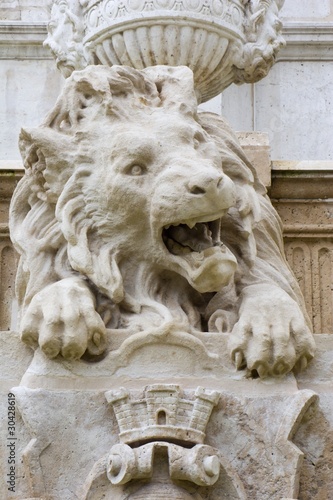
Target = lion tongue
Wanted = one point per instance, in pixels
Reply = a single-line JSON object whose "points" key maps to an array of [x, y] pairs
{"points": [[197, 238]]}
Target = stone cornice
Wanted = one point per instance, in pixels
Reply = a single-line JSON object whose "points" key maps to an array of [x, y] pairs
{"points": [[305, 41], [20, 40], [305, 180], [8, 181], [300, 166], [302, 193]]}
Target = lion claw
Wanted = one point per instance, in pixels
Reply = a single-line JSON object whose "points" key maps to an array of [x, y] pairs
{"points": [[281, 368], [239, 360], [301, 364], [262, 370]]}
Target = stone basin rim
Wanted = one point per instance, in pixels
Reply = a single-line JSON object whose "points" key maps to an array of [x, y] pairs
{"points": [[198, 22]]}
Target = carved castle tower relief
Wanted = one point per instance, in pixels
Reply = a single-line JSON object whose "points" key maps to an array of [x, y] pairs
{"points": [[152, 283]]}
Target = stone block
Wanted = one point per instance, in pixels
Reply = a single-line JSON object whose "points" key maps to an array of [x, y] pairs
{"points": [[257, 149], [10, 10], [37, 79], [252, 428]]}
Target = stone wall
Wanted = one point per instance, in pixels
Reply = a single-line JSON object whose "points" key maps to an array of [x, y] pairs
{"points": [[293, 103], [286, 104], [8, 181]]}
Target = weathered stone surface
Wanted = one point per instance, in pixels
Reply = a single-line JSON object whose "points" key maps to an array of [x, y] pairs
{"points": [[257, 149], [315, 436], [303, 70], [9, 10], [302, 194], [21, 104], [235, 41], [311, 9], [15, 358], [24, 10], [293, 103], [252, 428], [162, 234], [141, 225], [8, 182]]}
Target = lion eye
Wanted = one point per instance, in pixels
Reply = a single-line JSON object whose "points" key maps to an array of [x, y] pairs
{"points": [[136, 170]]}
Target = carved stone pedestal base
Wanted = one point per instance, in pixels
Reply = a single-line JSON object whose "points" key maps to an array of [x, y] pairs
{"points": [[121, 438], [248, 439]]}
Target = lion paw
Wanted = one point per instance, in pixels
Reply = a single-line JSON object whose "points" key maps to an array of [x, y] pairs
{"points": [[271, 337], [61, 319]]}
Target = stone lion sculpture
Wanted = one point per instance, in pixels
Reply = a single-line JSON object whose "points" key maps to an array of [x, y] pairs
{"points": [[136, 210]]}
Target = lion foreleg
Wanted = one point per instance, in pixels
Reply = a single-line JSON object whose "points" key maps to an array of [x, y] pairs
{"points": [[271, 336], [61, 319]]}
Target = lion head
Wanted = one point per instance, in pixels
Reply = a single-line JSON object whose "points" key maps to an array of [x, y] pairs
{"points": [[152, 204]]}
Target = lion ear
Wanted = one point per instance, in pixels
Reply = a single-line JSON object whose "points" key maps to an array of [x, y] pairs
{"points": [[48, 154], [52, 143]]}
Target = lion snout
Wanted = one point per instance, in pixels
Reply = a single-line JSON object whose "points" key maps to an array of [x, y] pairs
{"points": [[192, 193], [213, 185], [204, 183]]}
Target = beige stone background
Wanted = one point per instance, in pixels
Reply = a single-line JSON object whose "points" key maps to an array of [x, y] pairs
{"points": [[291, 110]]}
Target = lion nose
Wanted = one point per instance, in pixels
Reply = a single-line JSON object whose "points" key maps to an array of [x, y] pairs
{"points": [[204, 183], [214, 187]]}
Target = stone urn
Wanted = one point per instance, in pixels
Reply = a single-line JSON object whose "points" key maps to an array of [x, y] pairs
{"points": [[221, 41]]}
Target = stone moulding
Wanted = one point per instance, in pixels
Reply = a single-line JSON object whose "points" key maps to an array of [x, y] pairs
{"points": [[302, 194], [307, 41], [304, 41], [23, 40]]}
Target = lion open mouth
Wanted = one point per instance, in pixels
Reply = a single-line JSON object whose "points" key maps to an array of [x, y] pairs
{"points": [[191, 236], [198, 252]]}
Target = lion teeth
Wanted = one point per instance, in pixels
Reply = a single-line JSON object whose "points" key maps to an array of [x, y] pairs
{"points": [[190, 224], [221, 245]]}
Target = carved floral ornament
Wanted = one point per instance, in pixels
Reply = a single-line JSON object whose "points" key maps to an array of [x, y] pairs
{"points": [[222, 41]]}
